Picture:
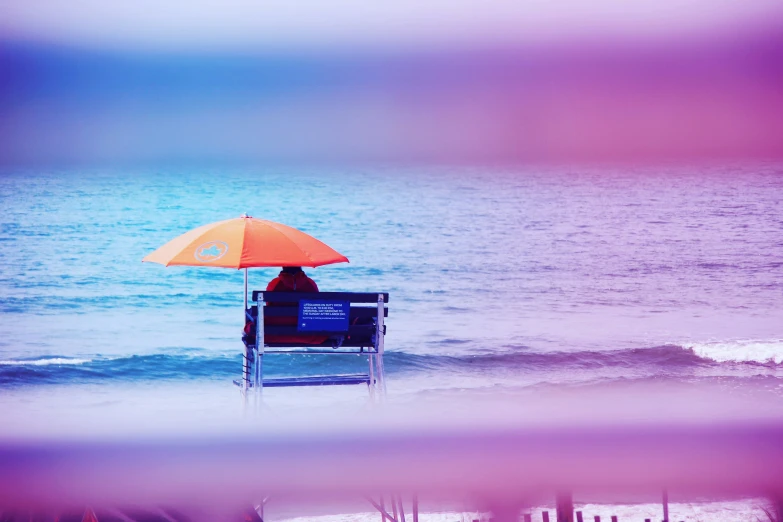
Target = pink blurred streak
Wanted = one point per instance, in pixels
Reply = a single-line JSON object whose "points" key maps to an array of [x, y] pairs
{"points": [[608, 91], [519, 465], [207, 26], [494, 448]]}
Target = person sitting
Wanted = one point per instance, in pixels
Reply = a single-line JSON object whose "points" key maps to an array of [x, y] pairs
{"points": [[290, 279]]}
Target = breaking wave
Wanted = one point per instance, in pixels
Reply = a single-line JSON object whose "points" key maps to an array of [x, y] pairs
{"points": [[765, 352], [44, 361], [181, 365]]}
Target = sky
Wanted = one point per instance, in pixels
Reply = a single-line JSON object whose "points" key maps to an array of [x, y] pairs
{"points": [[245, 25], [460, 81]]}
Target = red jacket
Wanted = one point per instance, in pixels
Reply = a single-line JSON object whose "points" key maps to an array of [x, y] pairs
{"points": [[290, 283]]}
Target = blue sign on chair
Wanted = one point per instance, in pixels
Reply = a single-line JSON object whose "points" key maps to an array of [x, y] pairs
{"points": [[323, 316]]}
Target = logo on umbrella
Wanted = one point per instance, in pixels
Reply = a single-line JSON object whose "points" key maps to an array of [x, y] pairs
{"points": [[211, 251]]}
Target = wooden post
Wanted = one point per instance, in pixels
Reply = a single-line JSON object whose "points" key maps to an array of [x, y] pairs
{"points": [[402, 508], [776, 505], [565, 507], [597, 518], [545, 516], [665, 506], [614, 518], [381, 509], [579, 516]]}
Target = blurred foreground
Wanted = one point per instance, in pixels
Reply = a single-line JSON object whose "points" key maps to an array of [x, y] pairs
{"points": [[490, 452], [455, 83]]}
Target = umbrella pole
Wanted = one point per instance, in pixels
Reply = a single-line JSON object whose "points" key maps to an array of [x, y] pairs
{"points": [[246, 355]]}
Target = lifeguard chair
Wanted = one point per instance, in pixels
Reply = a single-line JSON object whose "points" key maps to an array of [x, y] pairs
{"points": [[331, 323]]}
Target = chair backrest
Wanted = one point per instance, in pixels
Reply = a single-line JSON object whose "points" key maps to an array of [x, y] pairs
{"points": [[293, 319]]}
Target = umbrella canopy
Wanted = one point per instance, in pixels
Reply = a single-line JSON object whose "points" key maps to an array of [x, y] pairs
{"points": [[245, 242]]}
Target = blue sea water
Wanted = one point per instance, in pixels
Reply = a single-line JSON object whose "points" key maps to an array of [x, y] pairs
{"points": [[509, 277], [504, 282]]}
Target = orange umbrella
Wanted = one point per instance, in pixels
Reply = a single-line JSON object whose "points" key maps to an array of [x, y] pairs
{"points": [[245, 242]]}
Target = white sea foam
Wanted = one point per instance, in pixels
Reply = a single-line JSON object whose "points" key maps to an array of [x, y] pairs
{"points": [[740, 351], [45, 362]]}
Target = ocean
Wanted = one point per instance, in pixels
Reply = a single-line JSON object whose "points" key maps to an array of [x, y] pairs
{"points": [[503, 281]]}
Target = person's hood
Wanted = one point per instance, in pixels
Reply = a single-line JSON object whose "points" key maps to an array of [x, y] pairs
{"points": [[293, 280]]}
